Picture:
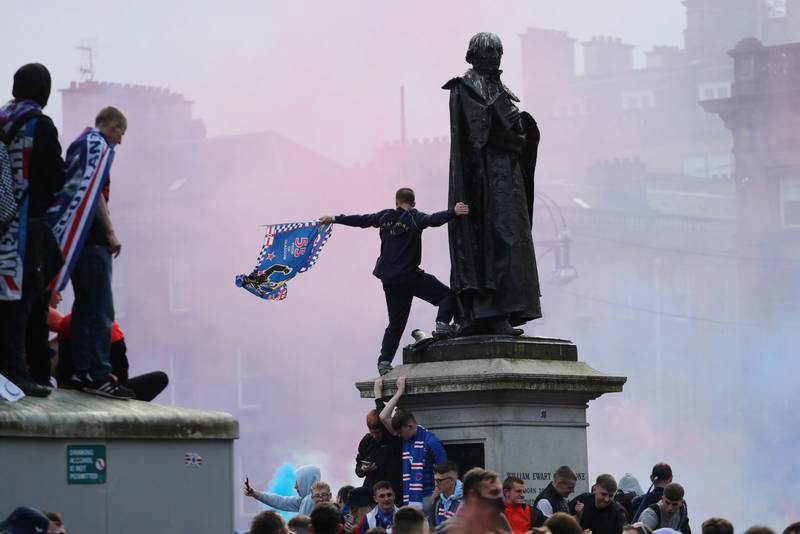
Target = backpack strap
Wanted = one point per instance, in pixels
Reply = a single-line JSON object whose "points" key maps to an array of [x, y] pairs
{"points": [[657, 509], [19, 124]]}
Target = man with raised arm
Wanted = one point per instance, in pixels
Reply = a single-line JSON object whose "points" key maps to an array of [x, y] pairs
{"points": [[422, 450], [398, 266]]}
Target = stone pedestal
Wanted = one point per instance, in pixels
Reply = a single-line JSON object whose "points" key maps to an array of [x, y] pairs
{"points": [[123, 467], [513, 405]]}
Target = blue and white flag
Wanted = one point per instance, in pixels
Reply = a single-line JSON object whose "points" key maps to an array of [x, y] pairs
{"points": [[288, 249], [89, 160]]}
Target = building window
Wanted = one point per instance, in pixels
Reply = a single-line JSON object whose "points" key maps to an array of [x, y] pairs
{"points": [[568, 107], [714, 166], [714, 90], [180, 285], [249, 379], [776, 9], [790, 202], [638, 100]]}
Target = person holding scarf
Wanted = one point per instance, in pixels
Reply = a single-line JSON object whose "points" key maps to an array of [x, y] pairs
{"points": [[422, 450], [29, 255], [82, 225]]}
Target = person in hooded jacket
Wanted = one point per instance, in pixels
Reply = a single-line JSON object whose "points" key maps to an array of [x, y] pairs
{"points": [[32, 253], [305, 477], [448, 494]]}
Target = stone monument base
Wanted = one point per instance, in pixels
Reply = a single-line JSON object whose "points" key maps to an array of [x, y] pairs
{"points": [[516, 405]]}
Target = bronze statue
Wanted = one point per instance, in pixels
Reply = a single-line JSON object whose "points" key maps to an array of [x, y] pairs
{"points": [[492, 161]]}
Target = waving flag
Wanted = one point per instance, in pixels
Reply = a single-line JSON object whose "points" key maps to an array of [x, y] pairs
{"points": [[288, 249]]}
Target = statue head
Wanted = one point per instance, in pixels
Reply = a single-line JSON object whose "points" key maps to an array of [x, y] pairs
{"points": [[484, 52]]}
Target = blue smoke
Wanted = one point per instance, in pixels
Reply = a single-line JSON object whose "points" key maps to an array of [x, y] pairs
{"points": [[282, 483]]}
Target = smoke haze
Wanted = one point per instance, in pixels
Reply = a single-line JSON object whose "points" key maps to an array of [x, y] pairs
{"points": [[301, 105]]}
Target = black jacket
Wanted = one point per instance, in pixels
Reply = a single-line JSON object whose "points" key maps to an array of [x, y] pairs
{"points": [[643, 501], [608, 520], [47, 170], [401, 239], [557, 503], [387, 455]]}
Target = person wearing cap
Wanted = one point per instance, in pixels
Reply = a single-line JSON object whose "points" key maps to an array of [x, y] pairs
{"points": [[25, 520], [32, 255]]}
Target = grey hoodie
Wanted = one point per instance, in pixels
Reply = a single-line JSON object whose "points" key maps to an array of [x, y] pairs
{"points": [[305, 476]]}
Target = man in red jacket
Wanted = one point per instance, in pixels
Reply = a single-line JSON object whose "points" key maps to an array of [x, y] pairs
{"points": [[517, 512]]}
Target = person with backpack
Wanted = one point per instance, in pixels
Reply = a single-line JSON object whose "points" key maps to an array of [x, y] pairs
{"points": [[669, 512], [29, 254], [660, 478]]}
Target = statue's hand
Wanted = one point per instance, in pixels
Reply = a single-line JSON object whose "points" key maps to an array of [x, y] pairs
{"points": [[461, 209]]}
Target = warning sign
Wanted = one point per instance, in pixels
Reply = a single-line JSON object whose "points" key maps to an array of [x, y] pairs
{"points": [[86, 464]]}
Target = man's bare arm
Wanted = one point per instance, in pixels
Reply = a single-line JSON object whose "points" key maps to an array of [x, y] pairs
{"points": [[388, 410]]}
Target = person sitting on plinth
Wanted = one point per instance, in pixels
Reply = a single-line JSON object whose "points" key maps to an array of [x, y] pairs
{"points": [[421, 451], [398, 266]]}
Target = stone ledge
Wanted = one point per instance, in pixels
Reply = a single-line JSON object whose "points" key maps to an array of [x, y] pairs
{"points": [[72, 414], [498, 374], [482, 347]]}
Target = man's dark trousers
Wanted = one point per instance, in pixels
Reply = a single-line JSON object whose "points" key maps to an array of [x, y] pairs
{"points": [[398, 304], [92, 312]]}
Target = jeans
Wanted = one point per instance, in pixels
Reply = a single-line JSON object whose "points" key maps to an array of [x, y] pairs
{"points": [[92, 312], [23, 323], [398, 304]]}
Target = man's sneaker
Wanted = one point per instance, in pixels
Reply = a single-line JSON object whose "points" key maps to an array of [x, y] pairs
{"points": [[76, 382], [108, 387], [32, 389], [443, 330], [384, 367]]}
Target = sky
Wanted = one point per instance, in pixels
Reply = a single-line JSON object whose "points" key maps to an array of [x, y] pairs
{"points": [[290, 66]]}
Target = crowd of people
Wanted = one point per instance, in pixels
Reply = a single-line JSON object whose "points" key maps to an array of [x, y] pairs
{"points": [[411, 487], [55, 226]]}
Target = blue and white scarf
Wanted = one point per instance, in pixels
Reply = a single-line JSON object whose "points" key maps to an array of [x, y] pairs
{"points": [[384, 520], [89, 160], [12, 242], [413, 466]]}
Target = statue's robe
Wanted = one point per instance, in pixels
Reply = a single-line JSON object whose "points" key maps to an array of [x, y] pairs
{"points": [[492, 161]]}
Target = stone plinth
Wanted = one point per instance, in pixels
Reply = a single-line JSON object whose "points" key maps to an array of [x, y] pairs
{"points": [[514, 405], [149, 467]]}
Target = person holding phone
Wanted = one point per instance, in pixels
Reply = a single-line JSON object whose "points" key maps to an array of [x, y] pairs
{"points": [[380, 453]]}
